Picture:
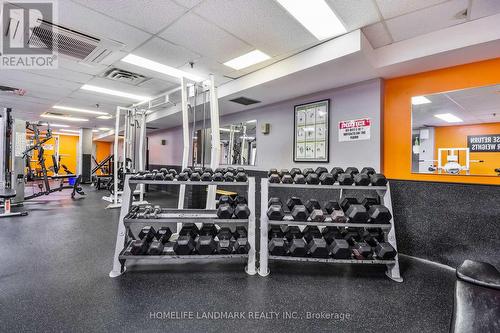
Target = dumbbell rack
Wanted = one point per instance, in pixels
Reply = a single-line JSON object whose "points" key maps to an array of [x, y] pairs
{"points": [[383, 192], [174, 217]]}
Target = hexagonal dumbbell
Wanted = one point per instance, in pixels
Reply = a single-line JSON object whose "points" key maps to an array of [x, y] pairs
{"points": [[195, 177], [272, 172], [276, 245], [331, 233], [312, 178], [379, 214], [345, 179], [287, 179], [183, 176], [326, 178], [294, 172], [156, 248], [188, 171], [229, 177], [307, 171], [189, 229], [184, 245], [225, 243], [299, 179], [317, 248], [292, 201], [300, 213], [361, 179], [208, 170], [163, 234], [206, 177], [310, 232], [274, 201], [348, 201], [275, 213], [370, 200], [231, 170], [339, 249], [336, 171], [295, 243], [320, 170], [360, 249], [357, 214], [331, 205], [368, 170], [241, 211], [383, 250], [218, 177], [139, 247], [173, 172], [241, 177], [205, 245], [241, 245], [274, 178], [225, 211], [312, 204], [352, 171], [226, 199], [147, 234], [169, 177], [317, 215], [378, 179], [283, 172], [239, 199], [338, 216]]}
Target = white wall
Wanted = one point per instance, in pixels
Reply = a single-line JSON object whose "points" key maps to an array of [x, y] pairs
{"points": [[276, 149]]}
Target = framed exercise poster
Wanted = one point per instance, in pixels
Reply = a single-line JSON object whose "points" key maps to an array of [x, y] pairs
{"points": [[311, 140]]}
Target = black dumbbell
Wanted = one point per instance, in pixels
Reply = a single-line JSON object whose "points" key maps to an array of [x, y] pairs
{"points": [[156, 248], [274, 178], [208, 170], [241, 211], [147, 233], [379, 214], [272, 172], [326, 178], [183, 176], [275, 212], [206, 177], [283, 172], [169, 177], [307, 171], [291, 202], [231, 170], [352, 171], [225, 243], [312, 204], [241, 177], [226, 199], [370, 200], [218, 177], [184, 245], [299, 179], [241, 245], [345, 179], [382, 249], [205, 245], [331, 205], [361, 179], [368, 170], [316, 245], [300, 213], [225, 211], [336, 171], [189, 229], [357, 214], [163, 234], [360, 249], [296, 245], [139, 247], [188, 171], [310, 232], [317, 215], [274, 201], [159, 176], [173, 172], [294, 172], [276, 245], [240, 169], [287, 179], [229, 177], [378, 179], [312, 178], [239, 199], [347, 201], [320, 170], [198, 170]]}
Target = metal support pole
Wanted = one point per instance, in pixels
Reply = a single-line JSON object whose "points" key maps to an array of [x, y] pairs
{"points": [[185, 139], [263, 259], [214, 124], [115, 157], [250, 269], [142, 165]]}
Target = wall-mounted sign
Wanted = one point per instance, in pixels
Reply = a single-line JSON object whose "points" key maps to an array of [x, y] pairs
{"points": [[48, 146], [311, 138], [489, 143], [354, 130]]}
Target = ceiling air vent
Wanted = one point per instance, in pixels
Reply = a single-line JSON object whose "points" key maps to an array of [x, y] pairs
{"points": [[72, 43], [124, 76], [244, 101]]}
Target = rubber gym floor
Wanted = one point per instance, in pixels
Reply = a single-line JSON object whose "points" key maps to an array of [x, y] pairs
{"points": [[54, 277]]}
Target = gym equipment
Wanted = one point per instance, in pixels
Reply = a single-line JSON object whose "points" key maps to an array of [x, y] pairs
{"points": [[331, 205], [272, 172], [184, 245], [331, 233], [294, 172], [378, 179], [317, 215], [283, 172], [379, 214], [352, 171], [338, 216], [242, 211], [163, 235], [357, 214], [206, 177], [274, 178], [347, 201], [336, 171], [275, 212], [218, 177], [361, 179], [339, 249], [312, 204], [7, 194], [360, 249], [312, 178], [307, 171], [296, 245], [147, 233], [276, 245], [241, 245], [189, 229], [156, 248], [317, 247], [195, 177], [205, 245], [287, 179], [182, 177], [310, 232], [368, 170], [139, 247], [320, 170], [225, 211], [369, 200], [382, 249], [240, 200], [299, 179], [274, 201], [327, 178], [229, 177], [291, 202], [300, 213], [241, 177], [345, 179], [225, 244]]}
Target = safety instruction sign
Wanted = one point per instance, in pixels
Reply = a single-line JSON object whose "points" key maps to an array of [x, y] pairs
{"points": [[354, 130], [489, 143]]}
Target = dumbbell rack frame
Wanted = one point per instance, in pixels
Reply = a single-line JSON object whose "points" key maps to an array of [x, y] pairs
{"points": [[175, 217], [384, 192]]}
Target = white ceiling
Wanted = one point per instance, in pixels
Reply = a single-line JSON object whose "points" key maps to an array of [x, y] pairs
{"points": [[473, 106], [207, 33]]}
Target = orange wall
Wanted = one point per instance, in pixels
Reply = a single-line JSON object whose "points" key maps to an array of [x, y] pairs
{"points": [[68, 147], [102, 150], [396, 159], [456, 137]]}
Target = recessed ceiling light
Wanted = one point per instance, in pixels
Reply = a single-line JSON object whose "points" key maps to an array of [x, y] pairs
{"points": [[114, 92], [59, 133], [448, 117], [160, 68], [248, 59], [105, 117], [104, 129], [316, 16], [68, 118], [251, 121], [69, 108], [417, 100], [56, 125], [70, 131]]}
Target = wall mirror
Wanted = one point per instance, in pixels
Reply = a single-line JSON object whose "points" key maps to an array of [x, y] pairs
{"points": [[457, 132], [238, 144]]}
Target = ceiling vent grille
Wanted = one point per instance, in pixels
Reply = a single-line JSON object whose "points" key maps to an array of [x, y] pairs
{"points": [[71, 43], [244, 101], [121, 75]]}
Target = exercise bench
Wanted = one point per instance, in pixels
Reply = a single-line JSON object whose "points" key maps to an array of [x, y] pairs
{"points": [[7, 194]]}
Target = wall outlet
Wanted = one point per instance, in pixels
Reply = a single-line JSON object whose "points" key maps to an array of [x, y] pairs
{"points": [[265, 128]]}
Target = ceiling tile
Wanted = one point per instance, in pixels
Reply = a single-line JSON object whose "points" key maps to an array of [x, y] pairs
{"points": [[146, 72], [392, 8], [203, 67], [95, 98], [435, 18], [166, 53], [116, 85], [377, 35], [149, 15], [158, 86], [355, 14], [85, 20], [81, 67], [205, 38], [262, 23], [188, 3], [62, 74], [482, 8]]}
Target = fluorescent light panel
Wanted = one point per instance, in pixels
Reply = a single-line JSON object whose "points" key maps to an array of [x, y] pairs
{"points": [[316, 16], [104, 129], [158, 67], [448, 117], [112, 92], [105, 117], [69, 108], [53, 116], [248, 59], [70, 131], [57, 125], [417, 100], [59, 133]]}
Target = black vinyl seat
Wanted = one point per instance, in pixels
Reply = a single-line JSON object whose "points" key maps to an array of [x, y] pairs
{"points": [[7, 193], [477, 298]]}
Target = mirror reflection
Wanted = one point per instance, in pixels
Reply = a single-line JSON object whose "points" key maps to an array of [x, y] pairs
{"points": [[457, 132]]}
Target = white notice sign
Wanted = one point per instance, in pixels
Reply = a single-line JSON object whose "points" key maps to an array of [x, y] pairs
{"points": [[354, 130]]}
